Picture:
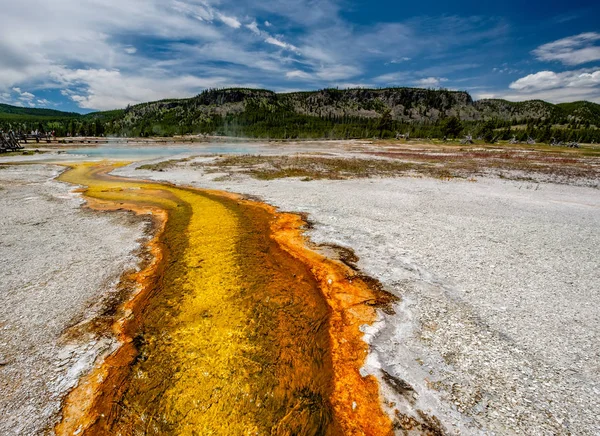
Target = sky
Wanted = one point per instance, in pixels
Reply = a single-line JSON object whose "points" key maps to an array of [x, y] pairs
{"points": [[85, 55]]}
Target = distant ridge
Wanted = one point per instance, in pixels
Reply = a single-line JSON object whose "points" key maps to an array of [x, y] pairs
{"points": [[405, 104], [334, 113], [6, 109]]}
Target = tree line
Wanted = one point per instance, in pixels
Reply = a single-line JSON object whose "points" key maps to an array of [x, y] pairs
{"points": [[260, 120]]}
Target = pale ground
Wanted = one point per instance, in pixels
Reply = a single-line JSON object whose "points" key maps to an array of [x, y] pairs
{"points": [[58, 265], [498, 328], [497, 331]]}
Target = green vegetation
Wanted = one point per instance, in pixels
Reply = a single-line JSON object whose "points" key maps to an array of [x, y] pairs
{"points": [[7, 111], [25, 120], [309, 167], [163, 165], [552, 164], [325, 114], [452, 127]]}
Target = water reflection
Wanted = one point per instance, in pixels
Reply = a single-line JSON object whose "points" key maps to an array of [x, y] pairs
{"points": [[140, 152]]}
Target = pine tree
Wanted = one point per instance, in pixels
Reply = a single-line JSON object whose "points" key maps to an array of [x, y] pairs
{"points": [[452, 127]]}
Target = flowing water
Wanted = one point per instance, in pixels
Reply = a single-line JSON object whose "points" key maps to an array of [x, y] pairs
{"points": [[237, 328], [143, 152]]}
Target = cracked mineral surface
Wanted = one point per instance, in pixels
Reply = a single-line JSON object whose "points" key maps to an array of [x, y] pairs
{"points": [[498, 326], [59, 266]]}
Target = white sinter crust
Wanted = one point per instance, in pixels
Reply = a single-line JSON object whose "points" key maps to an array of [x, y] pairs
{"points": [[498, 329], [58, 265]]}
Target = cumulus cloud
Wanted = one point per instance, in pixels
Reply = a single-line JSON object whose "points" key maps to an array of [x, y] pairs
{"points": [[23, 96], [544, 80], [109, 89], [96, 65], [118, 52], [17, 97], [540, 80], [5, 97], [567, 86], [431, 81], [557, 95], [92, 37], [574, 50]]}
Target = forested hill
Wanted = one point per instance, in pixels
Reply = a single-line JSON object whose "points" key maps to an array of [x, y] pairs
{"points": [[351, 113], [17, 112]]}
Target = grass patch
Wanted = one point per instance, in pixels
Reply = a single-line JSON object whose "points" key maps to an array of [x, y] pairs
{"points": [[445, 163], [162, 166], [26, 152], [310, 167], [515, 164]]}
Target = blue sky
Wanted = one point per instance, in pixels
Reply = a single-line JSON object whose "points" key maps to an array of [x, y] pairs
{"points": [[84, 55]]}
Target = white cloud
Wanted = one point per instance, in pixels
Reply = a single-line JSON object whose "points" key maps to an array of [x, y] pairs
{"points": [[224, 51], [28, 57], [269, 39], [22, 96], [574, 50], [431, 81], [392, 78], [230, 21], [308, 13], [205, 12], [505, 68], [27, 96], [93, 66], [540, 80], [558, 95], [564, 86], [5, 97], [340, 44], [109, 89], [352, 85], [567, 86], [253, 27], [545, 80], [298, 74], [399, 60], [274, 41], [484, 95], [337, 72], [100, 63]]}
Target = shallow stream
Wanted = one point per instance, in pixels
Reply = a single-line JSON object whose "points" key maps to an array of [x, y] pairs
{"points": [[236, 328]]}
